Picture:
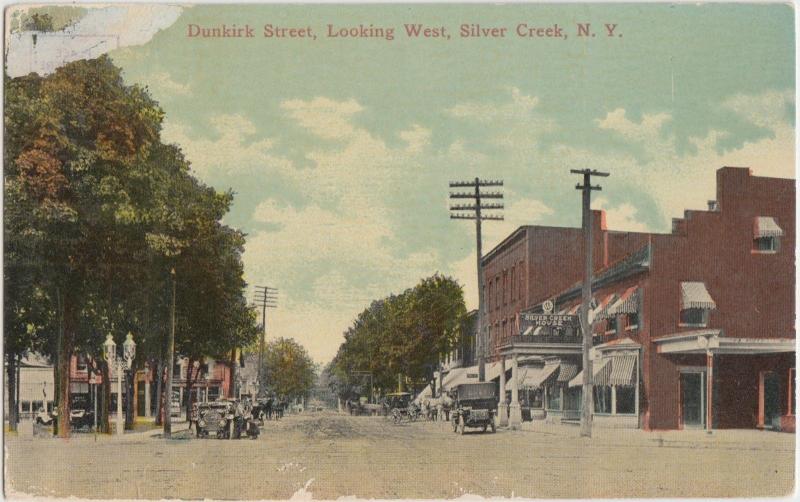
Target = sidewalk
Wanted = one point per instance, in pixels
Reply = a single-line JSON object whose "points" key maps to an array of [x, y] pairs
{"points": [[692, 437], [28, 431]]}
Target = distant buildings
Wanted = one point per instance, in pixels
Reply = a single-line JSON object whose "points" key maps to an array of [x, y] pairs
{"points": [[692, 329]]}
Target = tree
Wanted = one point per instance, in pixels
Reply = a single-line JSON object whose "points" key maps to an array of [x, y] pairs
{"points": [[97, 212], [289, 368], [400, 334]]}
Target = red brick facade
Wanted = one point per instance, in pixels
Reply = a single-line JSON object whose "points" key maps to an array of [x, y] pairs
{"points": [[753, 291]]}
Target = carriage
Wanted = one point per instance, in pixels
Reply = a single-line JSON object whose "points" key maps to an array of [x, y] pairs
{"points": [[475, 406], [399, 406]]}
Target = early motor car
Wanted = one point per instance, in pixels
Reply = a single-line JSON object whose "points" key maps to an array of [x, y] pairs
{"points": [[399, 405], [226, 419], [475, 406]]}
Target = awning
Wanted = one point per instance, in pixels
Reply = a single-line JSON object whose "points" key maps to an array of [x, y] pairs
{"points": [[458, 376], [601, 370], [567, 372], [622, 371], [766, 226], [628, 303], [694, 295], [574, 309], [533, 378], [527, 331], [601, 312], [710, 340]]}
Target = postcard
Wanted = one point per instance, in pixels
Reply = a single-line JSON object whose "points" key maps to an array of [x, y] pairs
{"points": [[399, 251]]}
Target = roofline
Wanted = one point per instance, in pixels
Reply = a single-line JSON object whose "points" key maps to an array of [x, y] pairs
{"points": [[608, 275]]}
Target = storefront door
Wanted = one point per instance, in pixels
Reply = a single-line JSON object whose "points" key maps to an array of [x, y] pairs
{"points": [[769, 397], [693, 399]]}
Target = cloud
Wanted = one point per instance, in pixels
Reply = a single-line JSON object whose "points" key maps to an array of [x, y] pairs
{"points": [[518, 107], [620, 217], [417, 138], [645, 130], [162, 81], [100, 30], [229, 153], [764, 110], [324, 117]]}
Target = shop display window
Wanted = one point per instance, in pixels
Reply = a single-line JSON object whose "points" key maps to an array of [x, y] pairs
{"points": [[626, 400]]}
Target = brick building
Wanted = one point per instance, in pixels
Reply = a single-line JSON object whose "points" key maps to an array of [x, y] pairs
{"points": [[692, 329]]}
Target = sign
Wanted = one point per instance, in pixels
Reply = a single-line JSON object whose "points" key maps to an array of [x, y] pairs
{"points": [[548, 306], [472, 375], [548, 320]]}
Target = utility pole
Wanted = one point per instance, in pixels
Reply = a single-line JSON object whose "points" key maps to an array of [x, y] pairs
{"points": [[265, 297], [586, 327], [167, 407], [472, 211]]}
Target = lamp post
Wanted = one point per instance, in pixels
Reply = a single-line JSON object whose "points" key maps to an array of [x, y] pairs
{"points": [[120, 365]]}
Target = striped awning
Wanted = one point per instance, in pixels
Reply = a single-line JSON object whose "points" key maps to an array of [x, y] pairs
{"points": [[567, 372], [527, 331], [574, 309], [601, 312], [533, 378], [536, 377], [601, 370], [766, 226], [694, 295], [622, 371], [628, 303]]}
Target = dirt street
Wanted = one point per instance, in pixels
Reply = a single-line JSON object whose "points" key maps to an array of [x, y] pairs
{"points": [[330, 455]]}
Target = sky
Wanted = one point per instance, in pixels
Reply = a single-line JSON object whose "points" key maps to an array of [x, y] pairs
{"points": [[340, 150]]}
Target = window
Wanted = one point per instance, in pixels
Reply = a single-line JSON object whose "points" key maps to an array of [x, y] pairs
{"points": [[176, 370], [602, 399], [505, 288], [497, 292], [513, 280], [532, 398], [26, 406], [38, 406], [626, 400], [485, 300], [791, 387], [611, 325], [694, 317], [553, 398], [81, 359], [632, 321], [766, 234], [213, 393], [765, 244]]}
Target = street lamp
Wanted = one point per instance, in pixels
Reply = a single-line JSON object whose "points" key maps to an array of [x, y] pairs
{"points": [[119, 366]]}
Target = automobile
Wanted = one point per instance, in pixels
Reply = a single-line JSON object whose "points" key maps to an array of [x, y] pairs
{"points": [[225, 418], [475, 406], [43, 417], [81, 414], [399, 405]]}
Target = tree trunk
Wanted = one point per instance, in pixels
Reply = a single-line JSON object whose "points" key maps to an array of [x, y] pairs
{"points": [[190, 378], [13, 405], [159, 391], [105, 399], [69, 323], [232, 385], [129, 411]]}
